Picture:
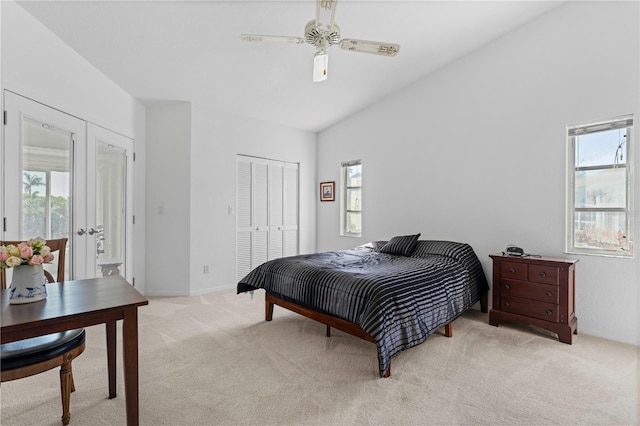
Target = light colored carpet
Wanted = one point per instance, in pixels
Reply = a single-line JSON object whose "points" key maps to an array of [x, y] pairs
{"points": [[213, 360]]}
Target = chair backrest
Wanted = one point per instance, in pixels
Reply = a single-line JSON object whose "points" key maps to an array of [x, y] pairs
{"points": [[59, 245]]}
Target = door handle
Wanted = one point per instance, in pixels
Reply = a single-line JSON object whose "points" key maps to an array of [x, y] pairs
{"points": [[92, 231], [81, 231]]}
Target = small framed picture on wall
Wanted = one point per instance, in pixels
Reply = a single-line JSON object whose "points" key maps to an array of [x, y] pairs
{"points": [[327, 191]]}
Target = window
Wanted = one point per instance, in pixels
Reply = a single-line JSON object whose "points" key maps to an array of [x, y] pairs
{"points": [[351, 198], [600, 188]]}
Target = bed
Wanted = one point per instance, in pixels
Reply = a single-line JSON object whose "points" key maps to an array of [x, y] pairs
{"points": [[392, 293]]}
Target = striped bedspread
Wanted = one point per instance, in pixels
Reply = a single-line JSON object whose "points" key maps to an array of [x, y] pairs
{"points": [[398, 300]]}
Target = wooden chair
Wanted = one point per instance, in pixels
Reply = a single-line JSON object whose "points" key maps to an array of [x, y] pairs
{"points": [[27, 357]]}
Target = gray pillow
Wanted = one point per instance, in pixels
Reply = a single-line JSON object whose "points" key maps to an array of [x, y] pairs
{"points": [[401, 245], [377, 245]]}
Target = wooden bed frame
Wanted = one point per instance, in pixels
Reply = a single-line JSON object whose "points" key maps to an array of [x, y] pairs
{"points": [[343, 325]]}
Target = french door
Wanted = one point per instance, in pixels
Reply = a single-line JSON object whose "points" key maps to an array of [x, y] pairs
{"points": [[64, 177], [110, 209]]}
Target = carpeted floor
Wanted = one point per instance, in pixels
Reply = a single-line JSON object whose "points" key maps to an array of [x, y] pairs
{"points": [[213, 360]]}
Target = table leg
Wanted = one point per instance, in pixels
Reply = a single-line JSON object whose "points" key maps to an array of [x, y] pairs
{"points": [[130, 354], [111, 357]]}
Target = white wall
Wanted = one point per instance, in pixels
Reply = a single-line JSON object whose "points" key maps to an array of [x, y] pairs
{"points": [[476, 152], [168, 172], [191, 158], [38, 65], [217, 139], [199, 205]]}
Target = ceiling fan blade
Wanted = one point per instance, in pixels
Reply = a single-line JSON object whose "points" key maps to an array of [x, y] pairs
{"points": [[376, 47], [325, 14], [270, 38]]}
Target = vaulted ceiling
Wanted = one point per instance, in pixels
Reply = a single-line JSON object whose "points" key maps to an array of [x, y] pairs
{"points": [[191, 50]]}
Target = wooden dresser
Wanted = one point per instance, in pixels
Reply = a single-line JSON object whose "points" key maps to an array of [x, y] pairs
{"points": [[537, 291]]}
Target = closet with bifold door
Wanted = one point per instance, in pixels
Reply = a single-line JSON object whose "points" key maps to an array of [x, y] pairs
{"points": [[266, 211]]}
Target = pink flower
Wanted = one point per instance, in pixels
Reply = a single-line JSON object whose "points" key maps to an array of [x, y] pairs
{"points": [[26, 251], [32, 252]]}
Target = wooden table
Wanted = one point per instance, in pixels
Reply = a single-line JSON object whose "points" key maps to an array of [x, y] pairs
{"points": [[83, 303]]}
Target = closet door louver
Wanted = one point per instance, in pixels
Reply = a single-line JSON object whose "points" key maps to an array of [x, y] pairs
{"points": [[260, 186], [244, 241], [290, 203], [276, 210]]}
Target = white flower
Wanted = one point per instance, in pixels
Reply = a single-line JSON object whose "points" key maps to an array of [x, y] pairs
{"points": [[13, 261], [37, 242]]}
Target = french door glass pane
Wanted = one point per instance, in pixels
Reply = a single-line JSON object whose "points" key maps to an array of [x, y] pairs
{"points": [[46, 180], [110, 210]]}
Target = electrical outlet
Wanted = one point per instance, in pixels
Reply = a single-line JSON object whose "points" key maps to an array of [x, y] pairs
{"points": [[205, 269]]}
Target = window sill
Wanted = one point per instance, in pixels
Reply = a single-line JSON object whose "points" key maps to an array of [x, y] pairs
{"points": [[615, 256]]}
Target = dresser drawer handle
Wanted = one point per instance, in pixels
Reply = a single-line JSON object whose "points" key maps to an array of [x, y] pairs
{"points": [[507, 304], [548, 293], [513, 271], [543, 274], [507, 286], [549, 311]]}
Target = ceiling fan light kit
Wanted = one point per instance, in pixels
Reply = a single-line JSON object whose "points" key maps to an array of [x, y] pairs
{"points": [[322, 33], [320, 64]]}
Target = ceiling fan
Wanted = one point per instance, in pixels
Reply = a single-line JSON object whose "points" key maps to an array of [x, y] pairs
{"points": [[323, 33]]}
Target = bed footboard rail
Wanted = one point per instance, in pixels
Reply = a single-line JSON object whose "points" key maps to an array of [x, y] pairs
{"points": [[329, 321]]}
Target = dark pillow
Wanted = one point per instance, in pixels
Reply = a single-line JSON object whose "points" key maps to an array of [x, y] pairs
{"points": [[401, 245]]}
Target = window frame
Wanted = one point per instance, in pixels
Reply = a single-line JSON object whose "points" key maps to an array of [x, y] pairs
{"points": [[625, 122], [344, 202]]}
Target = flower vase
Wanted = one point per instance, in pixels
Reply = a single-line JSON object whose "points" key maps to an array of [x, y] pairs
{"points": [[27, 284]]}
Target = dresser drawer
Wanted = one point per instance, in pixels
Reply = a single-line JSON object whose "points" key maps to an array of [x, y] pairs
{"points": [[513, 270], [530, 308], [542, 292], [543, 274]]}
